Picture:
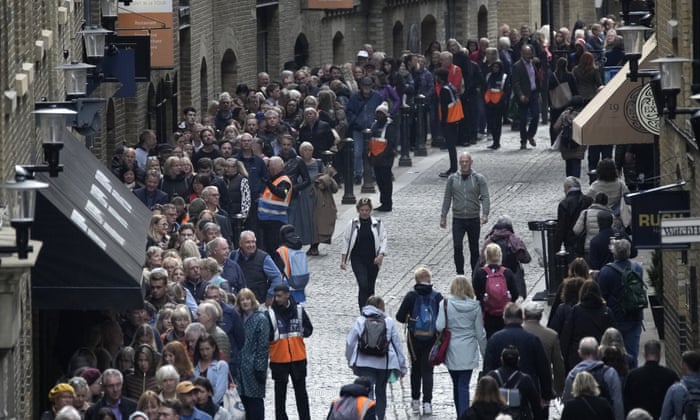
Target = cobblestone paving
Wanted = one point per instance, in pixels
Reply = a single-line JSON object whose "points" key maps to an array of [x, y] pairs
{"points": [[523, 184]]}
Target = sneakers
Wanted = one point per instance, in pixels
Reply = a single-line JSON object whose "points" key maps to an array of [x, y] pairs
{"points": [[531, 140], [494, 147], [427, 409], [383, 208], [415, 406], [445, 174]]}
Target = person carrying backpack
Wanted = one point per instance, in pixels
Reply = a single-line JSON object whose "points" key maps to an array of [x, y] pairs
{"points": [[494, 286], [354, 402], [517, 388], [419, 309], [622, 286], [373, 350], [606, 377], [682, 400], [292, 263]]}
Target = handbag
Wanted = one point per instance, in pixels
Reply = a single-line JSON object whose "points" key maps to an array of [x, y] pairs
{"points": [[560, 96], [232, 402], [439, 350], [625, 211], [455, 112]]}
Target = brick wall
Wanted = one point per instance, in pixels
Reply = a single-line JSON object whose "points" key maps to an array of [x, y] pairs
{"points": [[680, 308]]}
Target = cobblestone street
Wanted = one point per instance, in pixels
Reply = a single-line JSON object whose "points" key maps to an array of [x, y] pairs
{"points": [[525, 184]]}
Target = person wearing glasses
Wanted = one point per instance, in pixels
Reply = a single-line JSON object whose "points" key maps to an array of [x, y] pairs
{"points": [[365, 243], [112, 381]]}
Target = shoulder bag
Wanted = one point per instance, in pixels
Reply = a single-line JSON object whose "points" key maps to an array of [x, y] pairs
{"points": [[439, 350], [560, 96]]}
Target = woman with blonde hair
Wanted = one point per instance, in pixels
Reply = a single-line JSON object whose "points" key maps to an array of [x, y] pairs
{"points": [[179, 319], [488, 402], [158, 232], [237, 187], [586, 403], [461, 313], [149, 404], [485, 279], [253, 357]]}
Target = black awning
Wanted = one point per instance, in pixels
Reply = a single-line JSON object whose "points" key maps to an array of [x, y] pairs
{"points": [[93, 231]]}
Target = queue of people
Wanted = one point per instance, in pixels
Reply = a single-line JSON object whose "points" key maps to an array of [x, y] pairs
{"points": [[219, 310]]}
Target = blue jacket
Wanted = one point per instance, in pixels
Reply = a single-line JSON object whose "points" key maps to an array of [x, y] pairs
{"points": [[611, 379], [675, 397], [150, 199], [360, 110], [257, 174]]}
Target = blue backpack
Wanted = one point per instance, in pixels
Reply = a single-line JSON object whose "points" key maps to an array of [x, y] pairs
{"points": [[423, 317], [296, 268]]}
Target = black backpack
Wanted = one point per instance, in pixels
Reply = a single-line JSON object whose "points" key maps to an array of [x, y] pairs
{"points": [[373, 340], [598, 373], [691, 402]]}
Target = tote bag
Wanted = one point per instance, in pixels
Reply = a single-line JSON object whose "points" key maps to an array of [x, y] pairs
{"points": [[560, 96]]}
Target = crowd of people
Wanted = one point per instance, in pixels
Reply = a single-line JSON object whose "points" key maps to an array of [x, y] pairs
{"points": [[242, 187]]}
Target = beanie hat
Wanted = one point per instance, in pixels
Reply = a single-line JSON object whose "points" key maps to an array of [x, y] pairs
{"points": [[60, 389], [383, 108], [196, 206], [91, 375]]}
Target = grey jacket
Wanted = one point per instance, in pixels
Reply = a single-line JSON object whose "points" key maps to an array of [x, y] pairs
{"points": [[469, 197]]}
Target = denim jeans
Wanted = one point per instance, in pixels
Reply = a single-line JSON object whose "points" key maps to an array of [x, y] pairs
{"points": [[460, 389], [359, 143], [471, 228], [379, 379], [573, 167], [631, 332]]}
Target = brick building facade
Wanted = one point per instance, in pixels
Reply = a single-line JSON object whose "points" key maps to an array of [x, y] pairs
{"points": [[680, 159], [216, 46]]}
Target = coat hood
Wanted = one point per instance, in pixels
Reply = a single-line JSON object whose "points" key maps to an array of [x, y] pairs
{"points": [[353, 390], [370, 310], [423, 289], [464, 305]]}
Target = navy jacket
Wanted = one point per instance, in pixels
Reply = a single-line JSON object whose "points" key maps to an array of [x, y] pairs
{"points": [[150, 199], [533, 360]]}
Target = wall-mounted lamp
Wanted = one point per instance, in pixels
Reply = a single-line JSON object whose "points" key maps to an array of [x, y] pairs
{"points": [[52, 121], [669, 82], [20, 198], [94, 37], [109, 8], [75, 76], [634, 37]]}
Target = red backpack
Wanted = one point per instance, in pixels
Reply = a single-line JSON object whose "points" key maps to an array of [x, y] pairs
{"points": [[496, 293]]}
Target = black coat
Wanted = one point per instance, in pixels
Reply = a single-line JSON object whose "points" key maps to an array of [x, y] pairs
{"points": [[483, 411], [567, 213], [126, 407], [646, 387], [586, 408], [319, 135], [586, 319]]}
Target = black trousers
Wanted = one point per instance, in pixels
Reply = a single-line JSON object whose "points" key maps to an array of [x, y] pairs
{"points": [[421, 369], [471, 228], [281, 372], [451, 133], [366, 272], [383, 176]]}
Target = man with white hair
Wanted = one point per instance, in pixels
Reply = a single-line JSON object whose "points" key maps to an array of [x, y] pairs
{"points": [[605, 376], [112, 381]]}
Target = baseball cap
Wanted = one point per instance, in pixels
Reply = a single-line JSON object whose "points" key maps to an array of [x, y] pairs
{"points": [[184, 387]]}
